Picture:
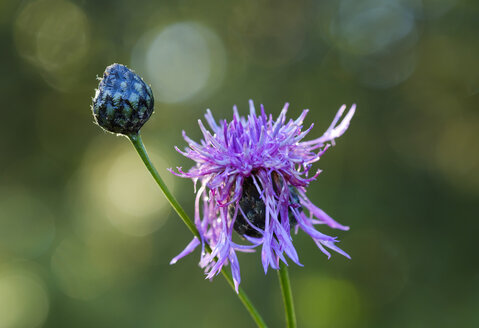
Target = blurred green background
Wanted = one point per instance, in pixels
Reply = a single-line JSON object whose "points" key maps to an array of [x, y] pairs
{"points": [[86, 236]]}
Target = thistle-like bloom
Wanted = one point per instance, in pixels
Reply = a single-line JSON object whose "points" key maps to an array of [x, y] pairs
{"points": [[254, 174]]}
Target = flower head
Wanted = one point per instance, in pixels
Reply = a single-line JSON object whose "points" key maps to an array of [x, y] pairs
{"points": [[123, 102], [254, 173]]}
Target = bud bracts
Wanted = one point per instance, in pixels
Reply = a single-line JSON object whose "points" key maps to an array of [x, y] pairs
{"points": [[123, 102]]}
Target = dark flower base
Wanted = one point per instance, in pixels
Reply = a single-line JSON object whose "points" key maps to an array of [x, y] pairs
{"points": [[254, 209]]}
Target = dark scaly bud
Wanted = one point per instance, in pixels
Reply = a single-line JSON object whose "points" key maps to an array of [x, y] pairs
{"points": [[123, 102], [255, 210]]}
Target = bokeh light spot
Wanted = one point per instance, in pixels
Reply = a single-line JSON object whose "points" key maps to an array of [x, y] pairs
{"points": [[24, 302], [116, 184], [181, 61], [53, 35], [368, 26], [132, 191]]}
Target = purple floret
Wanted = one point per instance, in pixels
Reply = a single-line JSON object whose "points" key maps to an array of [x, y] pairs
{"points": [[266, 154]]}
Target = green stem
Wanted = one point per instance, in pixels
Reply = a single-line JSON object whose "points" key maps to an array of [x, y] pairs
{"points": [[287, 295], [140, 148]]}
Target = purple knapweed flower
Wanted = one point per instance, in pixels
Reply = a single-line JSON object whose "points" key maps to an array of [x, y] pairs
{"points": [[254, 174]]}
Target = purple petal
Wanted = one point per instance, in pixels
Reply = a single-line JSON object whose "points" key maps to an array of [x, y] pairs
{"points": [[188, 249]]}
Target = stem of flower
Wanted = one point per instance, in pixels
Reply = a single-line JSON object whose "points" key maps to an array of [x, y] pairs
{"points": [[140, 148], [287, 295]]}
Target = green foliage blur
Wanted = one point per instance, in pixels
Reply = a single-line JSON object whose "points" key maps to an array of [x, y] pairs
{"points": [[86, 236]]}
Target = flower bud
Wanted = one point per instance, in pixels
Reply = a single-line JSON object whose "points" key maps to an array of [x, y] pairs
{"points": [[123, 102]]}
